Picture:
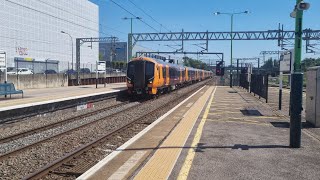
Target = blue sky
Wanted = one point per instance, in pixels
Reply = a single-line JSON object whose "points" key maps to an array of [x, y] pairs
{"points": [[197, 15]]}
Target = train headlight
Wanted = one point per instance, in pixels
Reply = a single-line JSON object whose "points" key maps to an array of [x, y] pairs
{"points": [[150, 81], [129, 81]]}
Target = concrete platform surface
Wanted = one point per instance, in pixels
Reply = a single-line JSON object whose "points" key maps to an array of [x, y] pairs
{"points": [[243, 138], [48, 95], [219, 133]]}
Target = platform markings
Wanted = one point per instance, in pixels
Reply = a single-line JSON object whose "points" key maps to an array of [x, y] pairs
{"points": [[224, 112], [127, 166], [241, 122], [91, 172], [185, 169], [189, 105]]}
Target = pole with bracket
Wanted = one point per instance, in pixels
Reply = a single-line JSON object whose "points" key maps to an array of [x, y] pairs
{"points": [[296, 81], [97, 74], [280, 89], [231, 37]]}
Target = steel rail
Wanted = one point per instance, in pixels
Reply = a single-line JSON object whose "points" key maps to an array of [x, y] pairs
{"points": [[52, 125], [50, 167], [11, 153]]}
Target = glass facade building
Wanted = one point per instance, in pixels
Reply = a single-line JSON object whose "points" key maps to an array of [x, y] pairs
{"points": [[119, 50], [31, 29]]}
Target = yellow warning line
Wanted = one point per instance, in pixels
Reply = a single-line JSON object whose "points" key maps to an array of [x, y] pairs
{"points": [[184, 172], [226, 112]]}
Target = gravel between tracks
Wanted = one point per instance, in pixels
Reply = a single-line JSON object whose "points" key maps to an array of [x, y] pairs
{"points": [[93, 156], [12, 145], [30, 123], [26, 162]]}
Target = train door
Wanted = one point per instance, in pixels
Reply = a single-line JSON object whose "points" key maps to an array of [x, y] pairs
{"points": [[167, 75], [187, 75]]}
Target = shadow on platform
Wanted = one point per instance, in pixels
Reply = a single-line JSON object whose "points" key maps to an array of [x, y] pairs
{"points": [[202, 146]]}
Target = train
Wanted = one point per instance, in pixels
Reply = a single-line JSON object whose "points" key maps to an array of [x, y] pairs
{"points": [[151, 76]]}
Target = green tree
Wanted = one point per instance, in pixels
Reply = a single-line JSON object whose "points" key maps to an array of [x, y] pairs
{"points": [[100, 57], [309, 62], [121, 64], [194, 63]]}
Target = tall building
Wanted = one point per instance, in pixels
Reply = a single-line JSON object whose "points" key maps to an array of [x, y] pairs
{"points": [[30, 30], [118, 50]]}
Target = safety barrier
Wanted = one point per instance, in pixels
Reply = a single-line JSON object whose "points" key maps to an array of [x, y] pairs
{"points": [[259, 85], [92, 81], [244, 83]]}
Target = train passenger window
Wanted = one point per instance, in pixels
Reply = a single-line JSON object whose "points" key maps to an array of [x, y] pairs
{"points": [[171, 72], [164, 72]]}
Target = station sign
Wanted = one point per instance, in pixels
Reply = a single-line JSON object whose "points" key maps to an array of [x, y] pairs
{"points": [[286, 61], [3, 59], [101, 65]]}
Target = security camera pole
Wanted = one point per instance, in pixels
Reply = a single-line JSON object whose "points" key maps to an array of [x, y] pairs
{"points": [[297, 78]]}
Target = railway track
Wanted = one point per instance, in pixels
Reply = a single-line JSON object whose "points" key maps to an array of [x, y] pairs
{"points": [[56, 124], [29, 115], [11, 153], [26, 160], [81, 153]]}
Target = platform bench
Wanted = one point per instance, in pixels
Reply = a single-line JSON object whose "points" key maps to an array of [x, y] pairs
{"points": [[8, 89]]}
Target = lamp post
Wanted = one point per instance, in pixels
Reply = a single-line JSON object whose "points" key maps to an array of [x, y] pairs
{"points": [[297, 77], [71, 47], [231, 37], [130, 38]]}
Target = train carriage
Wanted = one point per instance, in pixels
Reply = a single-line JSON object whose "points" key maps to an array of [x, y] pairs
{"points": [[151, 76]]}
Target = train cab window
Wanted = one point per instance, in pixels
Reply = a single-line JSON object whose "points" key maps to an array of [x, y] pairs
{"points": [[149, 70], [130, 71]]}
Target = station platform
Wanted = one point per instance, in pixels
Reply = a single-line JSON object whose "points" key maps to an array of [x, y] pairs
{"points": [[217, 133], [45, 96]]}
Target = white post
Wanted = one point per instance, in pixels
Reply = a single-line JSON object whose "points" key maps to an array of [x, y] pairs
{"points": [[96, 74], [280, 90], [5, 75], [105, 73], [280, 81], [4, 65]]}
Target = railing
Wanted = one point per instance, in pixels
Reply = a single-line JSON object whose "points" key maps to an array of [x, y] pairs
{"points": [[259, 85], [244, 83], [100, 80]]}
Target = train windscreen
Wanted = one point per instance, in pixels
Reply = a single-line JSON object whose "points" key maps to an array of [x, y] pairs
{"points": [[131, 69], [149, 70]]}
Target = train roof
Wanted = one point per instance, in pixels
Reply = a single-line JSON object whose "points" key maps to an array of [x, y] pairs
{"points": [[160, 61]]}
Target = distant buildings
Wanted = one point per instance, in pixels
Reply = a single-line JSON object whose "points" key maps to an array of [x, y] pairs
{"points": [[30, 30], [118, 51]]}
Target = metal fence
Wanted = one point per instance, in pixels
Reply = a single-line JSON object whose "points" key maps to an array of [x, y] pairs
{"points": [[256, 84], [259, 85], [244, 82], [50, 73]]}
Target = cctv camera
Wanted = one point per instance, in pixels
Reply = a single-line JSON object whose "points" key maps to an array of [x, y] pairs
{"points": [[303, 6]]}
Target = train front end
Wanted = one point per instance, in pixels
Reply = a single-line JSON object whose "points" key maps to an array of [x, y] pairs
{"points": [[140, 76]]}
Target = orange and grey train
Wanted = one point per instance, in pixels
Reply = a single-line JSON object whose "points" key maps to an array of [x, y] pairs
{"points": [[152, 76]]}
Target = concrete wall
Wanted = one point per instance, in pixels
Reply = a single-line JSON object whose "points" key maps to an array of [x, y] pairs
{"points": [[100, 75], [34, 81]]}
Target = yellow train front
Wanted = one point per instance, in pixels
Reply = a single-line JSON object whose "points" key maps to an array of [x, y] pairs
{"points": [[151, 76]]}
